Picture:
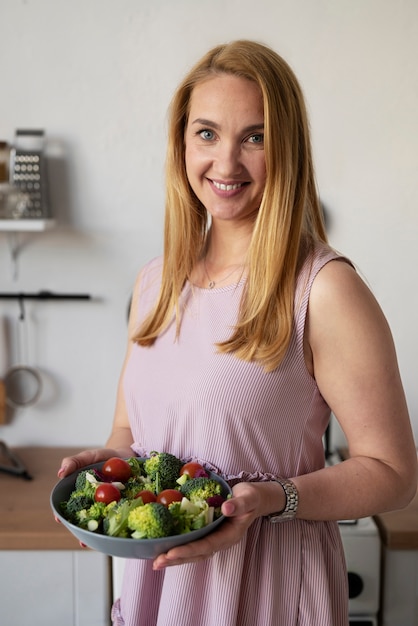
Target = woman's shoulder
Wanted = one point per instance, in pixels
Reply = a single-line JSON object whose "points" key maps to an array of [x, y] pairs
{"points": [[149, 277], [150, 272], [339, 290], [154, 265], [320, 253], [316, 256]]}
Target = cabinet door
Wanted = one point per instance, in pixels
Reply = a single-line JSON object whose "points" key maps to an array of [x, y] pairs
{"points": [[400, 588], [69, 588]]}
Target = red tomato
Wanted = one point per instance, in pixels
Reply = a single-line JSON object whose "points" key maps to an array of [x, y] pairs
{"points": [[167, 496], [146, 496], [117, 469], [192, 468], [106, 492]]}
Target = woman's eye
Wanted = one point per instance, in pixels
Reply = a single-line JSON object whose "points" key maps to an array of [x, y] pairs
{"points": [[258, 138], [206, 134]]}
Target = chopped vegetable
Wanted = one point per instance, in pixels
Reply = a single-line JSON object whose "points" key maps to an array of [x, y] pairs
{"points": [[115, 523], [197, 489], [150, 521], [163, 469], [159, 497]]}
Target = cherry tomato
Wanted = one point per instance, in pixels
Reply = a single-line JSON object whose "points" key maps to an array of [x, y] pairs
{"points": [[106, 492], [167, 496], [146, 496], [193, 468], [117, 469]]}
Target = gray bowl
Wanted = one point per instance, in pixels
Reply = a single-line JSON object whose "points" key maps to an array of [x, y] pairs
{"points": [[118, 546]]}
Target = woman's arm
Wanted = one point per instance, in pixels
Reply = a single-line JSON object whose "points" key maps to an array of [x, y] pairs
{"points": [[120, 439], [353, 360]]}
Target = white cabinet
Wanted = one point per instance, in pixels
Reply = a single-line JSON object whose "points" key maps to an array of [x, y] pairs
{"points": [[400, 588], [118, 568], [55, 587]]}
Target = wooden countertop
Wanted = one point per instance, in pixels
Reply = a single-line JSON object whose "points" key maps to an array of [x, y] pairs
{"points": [[399, 529], [26, 518], [27, 522]]}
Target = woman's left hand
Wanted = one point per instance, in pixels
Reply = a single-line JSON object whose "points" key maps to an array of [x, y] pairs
{"points": [[240, 511]]}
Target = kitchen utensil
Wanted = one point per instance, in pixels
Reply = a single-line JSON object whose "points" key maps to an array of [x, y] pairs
{"points": [[23, 383], [23, 386], [2, 402], [14, 465]]}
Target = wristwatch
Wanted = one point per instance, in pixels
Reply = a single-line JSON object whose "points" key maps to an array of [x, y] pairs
{"points": [[292, 500]]}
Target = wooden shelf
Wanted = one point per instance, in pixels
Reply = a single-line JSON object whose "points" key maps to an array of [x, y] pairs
{"points": [[26, 225]]}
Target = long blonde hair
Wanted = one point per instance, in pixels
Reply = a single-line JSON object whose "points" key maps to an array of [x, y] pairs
{"points": [[288, 221]]}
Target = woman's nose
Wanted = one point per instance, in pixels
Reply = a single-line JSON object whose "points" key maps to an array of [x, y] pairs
{"points": [[228, 159]]}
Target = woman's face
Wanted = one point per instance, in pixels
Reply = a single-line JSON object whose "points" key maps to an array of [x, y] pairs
{"points": [[224, 141]]}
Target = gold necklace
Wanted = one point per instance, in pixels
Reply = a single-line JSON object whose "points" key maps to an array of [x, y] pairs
{"points": [[212, 283]]}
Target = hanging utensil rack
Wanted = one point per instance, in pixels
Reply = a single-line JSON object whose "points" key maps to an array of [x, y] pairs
{"points": [[44, 295]]}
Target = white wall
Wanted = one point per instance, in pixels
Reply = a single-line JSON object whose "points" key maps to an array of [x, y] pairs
{"points": [[98, 76]]}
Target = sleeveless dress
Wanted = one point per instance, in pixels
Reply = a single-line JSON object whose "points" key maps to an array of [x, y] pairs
{"points": [[186, 398]]}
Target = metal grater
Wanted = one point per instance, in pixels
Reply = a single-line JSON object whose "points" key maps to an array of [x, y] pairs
{"points": [[28, 172]]}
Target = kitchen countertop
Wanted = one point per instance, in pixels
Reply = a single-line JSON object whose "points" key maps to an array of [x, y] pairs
{"points": [[27, 522], [26, 518], [399, 529]]}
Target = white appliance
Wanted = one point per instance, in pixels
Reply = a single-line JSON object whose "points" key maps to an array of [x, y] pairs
{"points": [[362, 550]]}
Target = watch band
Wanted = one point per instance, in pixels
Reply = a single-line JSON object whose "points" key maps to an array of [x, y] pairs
{"points": [[292, 501]]}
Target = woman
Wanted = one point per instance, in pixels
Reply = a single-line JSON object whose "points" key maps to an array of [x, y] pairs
{"points": [[246, 334]]}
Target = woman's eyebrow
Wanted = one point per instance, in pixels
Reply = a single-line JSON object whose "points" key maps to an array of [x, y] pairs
{"points": [[203, 122], [247, 129]]}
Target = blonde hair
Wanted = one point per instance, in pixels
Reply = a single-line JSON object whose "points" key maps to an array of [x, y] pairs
{"points": [[288, 221]]}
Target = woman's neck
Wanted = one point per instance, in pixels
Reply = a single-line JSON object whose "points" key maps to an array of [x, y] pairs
{"points": [[226, 247]]}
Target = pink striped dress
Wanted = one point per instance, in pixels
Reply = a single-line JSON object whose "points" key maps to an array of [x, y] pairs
{"points": [[186, 398]]}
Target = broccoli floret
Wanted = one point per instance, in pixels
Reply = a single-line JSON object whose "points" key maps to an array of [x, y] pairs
{"points": [[115, 522], [92, 517], [149, 485], [82, 497], [182, 520], [133, 486], [150, 521], [76, 502], [163, 468], [137, 466], [198, 489], [85, 486]]}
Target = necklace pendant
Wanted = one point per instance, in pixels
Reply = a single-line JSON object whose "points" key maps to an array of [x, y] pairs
{"points": [[211, 284]]}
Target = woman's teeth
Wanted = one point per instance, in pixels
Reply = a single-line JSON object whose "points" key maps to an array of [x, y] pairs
{"points": [[223, 187]]}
